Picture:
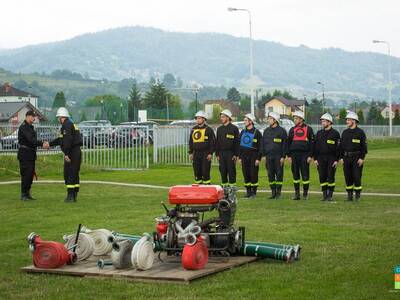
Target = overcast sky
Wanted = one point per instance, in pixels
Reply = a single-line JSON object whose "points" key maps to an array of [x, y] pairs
{"points": [[350, 25]]}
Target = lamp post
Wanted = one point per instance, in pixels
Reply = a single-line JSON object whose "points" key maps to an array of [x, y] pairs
{"points": [[232, 9], [389, 83]]}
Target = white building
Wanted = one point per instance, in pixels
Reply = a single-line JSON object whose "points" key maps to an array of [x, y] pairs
{"points": [[9, 94]]}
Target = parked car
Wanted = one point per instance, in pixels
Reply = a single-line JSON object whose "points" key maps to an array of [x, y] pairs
{"points": [[183, 123], [150, 124], [10, 142], [128, 135], [95, 132], [286, 123]]}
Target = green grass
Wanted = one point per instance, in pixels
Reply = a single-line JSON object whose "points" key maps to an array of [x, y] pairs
{"points": [[349, 249]]}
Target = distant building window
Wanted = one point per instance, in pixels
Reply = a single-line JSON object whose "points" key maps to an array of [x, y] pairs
{"points": [[270, 109]]}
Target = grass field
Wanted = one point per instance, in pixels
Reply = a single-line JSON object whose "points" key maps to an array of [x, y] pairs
{"points": [[349, 249]]}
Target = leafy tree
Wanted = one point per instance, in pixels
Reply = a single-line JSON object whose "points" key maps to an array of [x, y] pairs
{"points": [[374, 115], [396, 119], [233, 95], [169, 80], [215, 115], [135, 102], [342, 116], [360, 114], [245, 104], [315, 111], [110, 106], [59, 100], [83, 116]]}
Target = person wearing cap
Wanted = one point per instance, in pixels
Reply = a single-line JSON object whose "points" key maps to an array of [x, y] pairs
{"points": [[250, 155], [28, 142], [70, 141], [227, 148], [274, 148], [326, 156], [201, 148], [353, 147], [300, 153]]}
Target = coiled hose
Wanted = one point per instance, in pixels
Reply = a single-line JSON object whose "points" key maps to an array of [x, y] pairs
{"points": [[85, 245], [142, 255], [100, 238]]}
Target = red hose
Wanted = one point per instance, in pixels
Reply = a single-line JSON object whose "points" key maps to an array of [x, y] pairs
{"points": [[195, 257], [51, 255]]}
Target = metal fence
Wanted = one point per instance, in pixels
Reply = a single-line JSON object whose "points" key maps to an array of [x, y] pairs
{"points": [[171, 142], [106, 147]]}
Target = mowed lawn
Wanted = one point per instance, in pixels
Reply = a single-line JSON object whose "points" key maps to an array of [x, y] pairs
{"points": [[349, 249]]}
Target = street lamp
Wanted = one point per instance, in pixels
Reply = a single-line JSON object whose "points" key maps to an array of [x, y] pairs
{"points": [[389, 83], [323, 93], [232, 9]]}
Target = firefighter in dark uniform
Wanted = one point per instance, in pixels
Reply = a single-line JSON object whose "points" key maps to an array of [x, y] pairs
{"points": [[353, 150], [250, 155], [301, 148], [28, 143], [326, 156], [70, 141], [274, 147], [227, 148], [201, 149]]}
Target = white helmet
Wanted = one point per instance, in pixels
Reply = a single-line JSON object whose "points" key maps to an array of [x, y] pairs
{"points": [[275, 115], [352, 115], [251, 117], [327, 116], [299, 114], [227, 113], [62, 112], [201, 114]]}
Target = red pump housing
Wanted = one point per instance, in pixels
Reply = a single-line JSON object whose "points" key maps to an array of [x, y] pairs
{"points": [[195, 194]]}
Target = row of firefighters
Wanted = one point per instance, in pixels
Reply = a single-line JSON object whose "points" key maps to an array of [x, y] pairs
{"points": [[300, 147]]}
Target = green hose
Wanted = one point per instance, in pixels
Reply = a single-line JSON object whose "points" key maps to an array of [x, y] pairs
{"points": [[252, 249], [296, 248]]}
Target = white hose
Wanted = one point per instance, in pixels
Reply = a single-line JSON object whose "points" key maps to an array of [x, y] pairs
{"points": [[142, 255], [85, 246], [100, 238], [121, 258]]}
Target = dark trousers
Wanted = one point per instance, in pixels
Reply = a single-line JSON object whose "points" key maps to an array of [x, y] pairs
{"points": [[275, 170], [326, 172], [300, 166], [249, 169], [227, 168], [201, 168], [71, 169], [352, 173], [27, 170]]}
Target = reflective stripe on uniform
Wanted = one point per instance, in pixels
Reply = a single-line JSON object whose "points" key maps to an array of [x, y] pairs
{"points": [[254, 184], [358, 188], [296, 181], [70, 186], [278, 182], [349, 187], [306, 182], [331, 184], [323, 184]]}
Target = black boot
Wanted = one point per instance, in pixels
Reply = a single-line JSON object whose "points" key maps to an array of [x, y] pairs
{"points": [[254, 192], [296, 195], [24, 197], [76, 191], [330, 194], [324, 195], [349, 195], [273, 192], [358, 195], [305, 194], [278, 192], [70, 195], [29, 196], [248, 192]]}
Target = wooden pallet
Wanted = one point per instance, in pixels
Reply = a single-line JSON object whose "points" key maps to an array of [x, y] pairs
{"points": [[169, 269]]}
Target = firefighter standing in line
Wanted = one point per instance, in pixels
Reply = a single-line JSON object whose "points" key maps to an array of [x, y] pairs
{"points": [[353, 151], [274, 147], [326, 156], [70, 141], [201, 148], [28, 143], [301, 148], [250, 155], [227, 148]]}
